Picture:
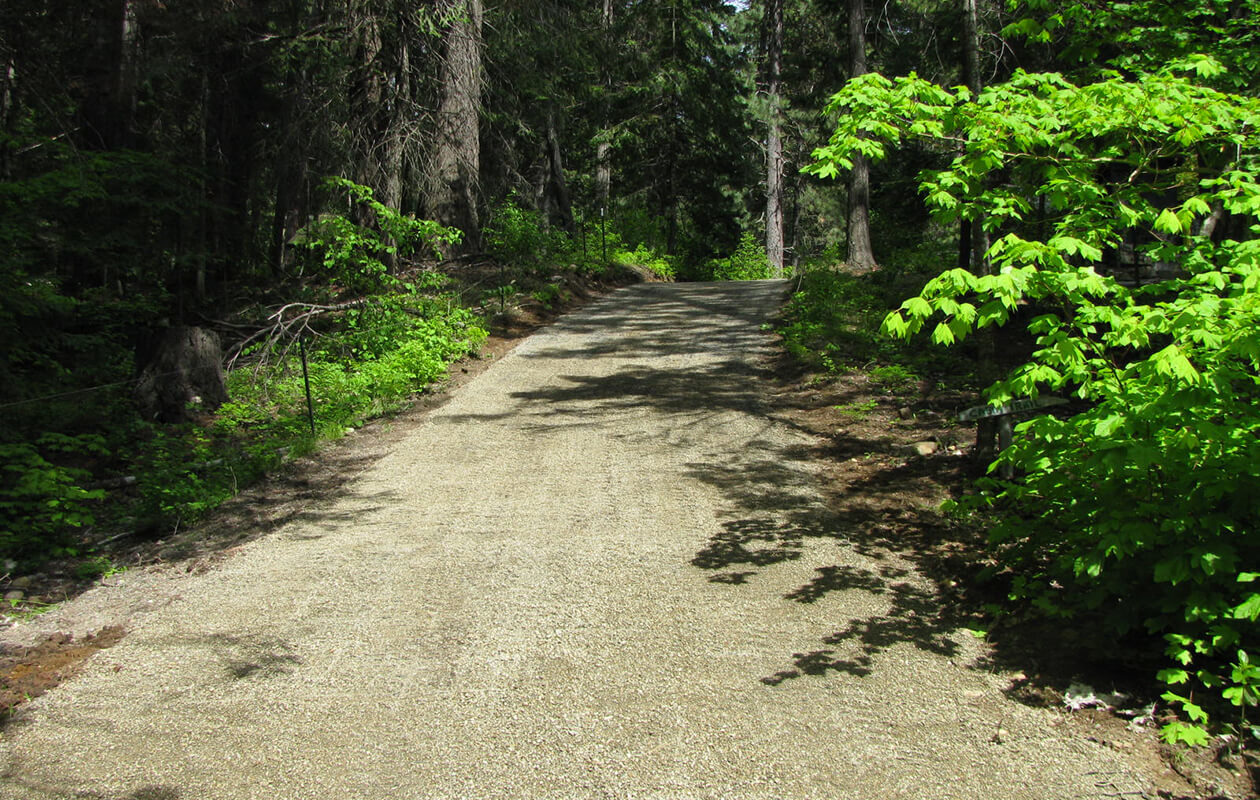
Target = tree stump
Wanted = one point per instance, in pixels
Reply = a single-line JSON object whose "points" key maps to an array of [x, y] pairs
{"points": [[185, 375]]}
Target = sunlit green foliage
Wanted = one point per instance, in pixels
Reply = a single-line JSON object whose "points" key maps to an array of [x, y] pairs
{"points": [[1143, 35], [354, 249], [41, 502], [747, 263], [520, 236], [1142, 507]]}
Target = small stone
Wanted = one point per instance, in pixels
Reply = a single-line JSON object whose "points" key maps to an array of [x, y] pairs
{"points": [[905, 412], [14, 596], [23, 582], [923, 448]]}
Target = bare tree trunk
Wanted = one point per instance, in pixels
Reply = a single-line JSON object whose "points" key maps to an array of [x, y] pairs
{"points": [[774, 138], [603, 145], [861, 255], [8, 80], [453, 178], [973, 243], [109, 107], [562, 207], [367, 99], [125, 76], [397, 134]]}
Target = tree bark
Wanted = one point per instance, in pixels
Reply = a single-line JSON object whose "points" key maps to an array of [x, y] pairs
{"points": [[861, 255], [109, 109], [453, 178], [774, 137], [973, 242], [185, 373], [560, 207], [8, 79], [603, 145]]}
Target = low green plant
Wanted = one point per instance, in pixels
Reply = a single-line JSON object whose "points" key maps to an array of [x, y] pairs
{"points": [[354, 254], [96, 567], [856, 410], [641, 256], [178, 471], [550, 294], [522, 237], [503, 294], [894, 377], [41, 502], [748, 262]]}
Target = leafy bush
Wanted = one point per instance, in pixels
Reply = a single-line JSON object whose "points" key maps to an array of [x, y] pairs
{"points": [[747, 263], [550, 294], [832, 323], [355, 254], [40, 502], [522, 237], [1143, 509], [661, 265], [347, 393]]}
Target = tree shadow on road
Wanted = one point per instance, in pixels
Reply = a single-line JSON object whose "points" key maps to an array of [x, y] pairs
{"points": [[779, 512]]}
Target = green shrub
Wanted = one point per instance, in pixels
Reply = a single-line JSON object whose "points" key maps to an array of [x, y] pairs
{"points": [[354, 255], [1140, 510], [747, 263], [661, 265], [550, 294], [41, 503], [522, 237]]}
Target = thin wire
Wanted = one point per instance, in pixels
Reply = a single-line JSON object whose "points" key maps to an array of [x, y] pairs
{"points": [[17, 403]]}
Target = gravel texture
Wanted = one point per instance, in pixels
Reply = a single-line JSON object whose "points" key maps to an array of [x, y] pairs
{"points": [[569, 581]]}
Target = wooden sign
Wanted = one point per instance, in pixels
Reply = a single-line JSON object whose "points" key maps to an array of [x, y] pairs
{"points": [[1013, 407]]}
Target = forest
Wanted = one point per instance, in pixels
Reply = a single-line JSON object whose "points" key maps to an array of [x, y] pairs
{"points": [[211, 209]]}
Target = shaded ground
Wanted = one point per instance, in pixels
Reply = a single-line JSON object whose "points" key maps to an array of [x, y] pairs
{"points": [[38, 661], [614, 565], [891, 454]]}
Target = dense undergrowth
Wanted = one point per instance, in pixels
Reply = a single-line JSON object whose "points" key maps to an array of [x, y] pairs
{"points": [[832, 321], [1134, 512], [372, 323]]}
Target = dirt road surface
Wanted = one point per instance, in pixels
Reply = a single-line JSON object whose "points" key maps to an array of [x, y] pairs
{"points": [[596, 572]]}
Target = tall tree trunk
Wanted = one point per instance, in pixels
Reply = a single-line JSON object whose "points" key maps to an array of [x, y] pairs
{"points": [[861, 255], [560, 208], [774, 137], [109, 108], [453, 178], [603, 144], [972, 240], [973, 245], [368, 100], [396, 136], [291, 172], [8, 99]]}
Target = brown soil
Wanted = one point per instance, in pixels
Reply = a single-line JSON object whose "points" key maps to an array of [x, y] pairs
{"points": [[27, 673]]}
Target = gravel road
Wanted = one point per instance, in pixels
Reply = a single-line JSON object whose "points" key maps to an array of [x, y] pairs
{"points": [[570, 581]]}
